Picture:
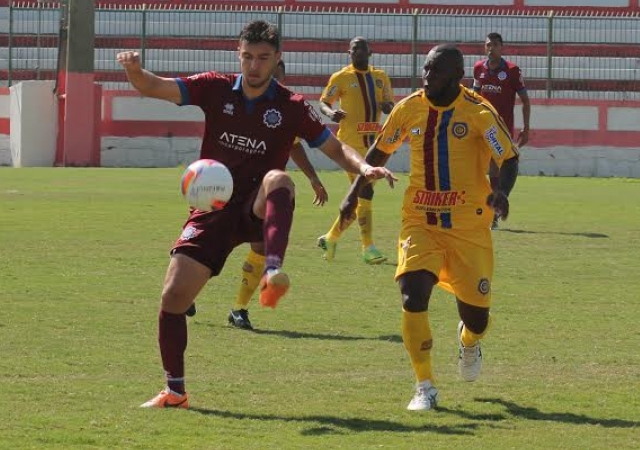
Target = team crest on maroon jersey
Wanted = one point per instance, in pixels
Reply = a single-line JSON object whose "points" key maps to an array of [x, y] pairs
{"points": [[272, 118], [502, 75]]}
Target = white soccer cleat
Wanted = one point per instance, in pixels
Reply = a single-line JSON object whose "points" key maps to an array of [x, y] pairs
{"points": [[469, 358], [425, 398]]}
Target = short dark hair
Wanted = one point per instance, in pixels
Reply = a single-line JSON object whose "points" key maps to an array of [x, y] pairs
{"points": [[261, 31], [493, 36], [281, 65]]}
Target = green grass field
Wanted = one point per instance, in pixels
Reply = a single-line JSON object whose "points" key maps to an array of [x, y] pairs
{"points": [[83, 255]]}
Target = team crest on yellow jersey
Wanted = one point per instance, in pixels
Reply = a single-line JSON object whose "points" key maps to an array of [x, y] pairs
{"points": [[459, 129]]}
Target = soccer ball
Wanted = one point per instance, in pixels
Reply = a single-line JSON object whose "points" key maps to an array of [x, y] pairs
{"points": [[207, 185]]}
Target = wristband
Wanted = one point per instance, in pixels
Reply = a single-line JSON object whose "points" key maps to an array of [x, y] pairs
{"points": [[364, 168]]}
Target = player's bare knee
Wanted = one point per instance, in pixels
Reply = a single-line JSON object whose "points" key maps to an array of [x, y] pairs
{"points": [[276, 179], [173, 301]]}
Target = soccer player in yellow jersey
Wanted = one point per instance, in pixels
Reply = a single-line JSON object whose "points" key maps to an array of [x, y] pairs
{"points": [[253, 266], [445, 239], [364, 92]]}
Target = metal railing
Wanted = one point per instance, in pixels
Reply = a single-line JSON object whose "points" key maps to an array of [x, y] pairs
{"points": [[561, 55]]}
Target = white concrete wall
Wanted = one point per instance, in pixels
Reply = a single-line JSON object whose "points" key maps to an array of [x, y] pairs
{"points": [[5, 150], [564, 159]]}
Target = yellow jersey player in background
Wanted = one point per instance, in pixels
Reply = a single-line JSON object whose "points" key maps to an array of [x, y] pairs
{"points": [[364, 92], [445, 239]]}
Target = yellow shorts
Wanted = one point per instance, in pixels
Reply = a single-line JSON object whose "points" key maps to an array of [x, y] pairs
{"points": [[461, 259]]}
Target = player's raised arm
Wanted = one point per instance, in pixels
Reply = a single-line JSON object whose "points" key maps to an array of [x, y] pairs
{"points": [[147, 83]]}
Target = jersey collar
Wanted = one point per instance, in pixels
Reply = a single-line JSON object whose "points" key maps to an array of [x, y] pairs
{"points": [[352, 67], [269, 94], [503, 64]]}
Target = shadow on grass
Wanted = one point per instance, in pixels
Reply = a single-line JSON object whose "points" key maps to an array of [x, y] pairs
{"points": [[394, 338], [323, 425], [559, 233], [523, 412]]}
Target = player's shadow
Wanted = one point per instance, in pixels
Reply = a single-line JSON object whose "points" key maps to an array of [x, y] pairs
{"points": [[394, 338], [323, 424], [528, 413], [559, 233], [333, 337]]}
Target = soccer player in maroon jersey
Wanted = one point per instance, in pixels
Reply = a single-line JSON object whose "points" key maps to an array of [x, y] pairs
{"points": [[251, 122], [499, 80], [253, 264]]}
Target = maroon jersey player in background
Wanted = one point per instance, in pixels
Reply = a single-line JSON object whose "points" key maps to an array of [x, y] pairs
{"points": [[499, 80], [251, 122]]}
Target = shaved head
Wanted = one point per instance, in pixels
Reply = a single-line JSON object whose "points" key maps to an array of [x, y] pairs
{"points": [[451, 54], [357, 39], [359, 52], [442, 72]]}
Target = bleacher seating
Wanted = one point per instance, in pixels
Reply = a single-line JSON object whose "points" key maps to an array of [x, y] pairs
{"points": [[594, 57]]}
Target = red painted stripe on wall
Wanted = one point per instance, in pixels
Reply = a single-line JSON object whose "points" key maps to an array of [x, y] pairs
{"points": [[4, 126], [338, 46]]}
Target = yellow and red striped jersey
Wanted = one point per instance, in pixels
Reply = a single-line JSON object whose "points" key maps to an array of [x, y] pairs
{"points": [[450, 150], [360, 94]]}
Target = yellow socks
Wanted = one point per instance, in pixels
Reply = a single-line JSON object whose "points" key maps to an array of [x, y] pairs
{"points": [[416, 336], [365, 220], [251, 273]]}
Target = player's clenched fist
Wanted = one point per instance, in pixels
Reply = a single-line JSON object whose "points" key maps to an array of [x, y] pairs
{"points": [[129, 60]]}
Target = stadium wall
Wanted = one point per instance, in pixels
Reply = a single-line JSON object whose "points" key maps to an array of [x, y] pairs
{"points": [[568, 138]]}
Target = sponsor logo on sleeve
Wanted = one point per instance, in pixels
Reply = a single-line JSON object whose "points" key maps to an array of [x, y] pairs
{"points": [[313, 114], [332, 91], [395, 138], [379, 84], [491, 136]]}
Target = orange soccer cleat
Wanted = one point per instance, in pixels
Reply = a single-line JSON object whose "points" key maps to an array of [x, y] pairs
{"points": [[273, 286], [168, 399]]}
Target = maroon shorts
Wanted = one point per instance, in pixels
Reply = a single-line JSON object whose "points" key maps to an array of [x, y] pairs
{"points": [[209, 238]]}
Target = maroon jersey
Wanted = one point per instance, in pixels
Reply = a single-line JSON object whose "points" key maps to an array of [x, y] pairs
{"points": [[250, 137], [499, 86]]}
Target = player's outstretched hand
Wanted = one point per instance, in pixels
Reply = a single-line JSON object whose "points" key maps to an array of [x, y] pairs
{"points": [[321, 193], [500, 203], [376, 173], [130, 60], [338, 115]]}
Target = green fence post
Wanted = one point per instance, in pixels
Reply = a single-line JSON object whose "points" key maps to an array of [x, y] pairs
{"points": [[143, 37], [414, 50], [549, 53], [280, 22]]}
